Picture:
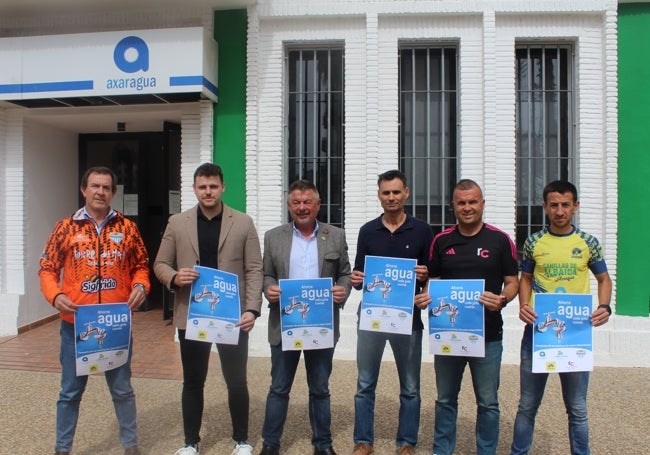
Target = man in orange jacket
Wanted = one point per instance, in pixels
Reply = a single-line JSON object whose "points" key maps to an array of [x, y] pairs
{"points": [[104, 260]]}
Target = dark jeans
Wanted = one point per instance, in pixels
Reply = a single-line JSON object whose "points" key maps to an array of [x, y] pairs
{"points": [[532, 385], [195, 356], [318, 365]]}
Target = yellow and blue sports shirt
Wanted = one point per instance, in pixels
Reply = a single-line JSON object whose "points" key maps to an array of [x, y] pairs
{"points": [[560, 263]]}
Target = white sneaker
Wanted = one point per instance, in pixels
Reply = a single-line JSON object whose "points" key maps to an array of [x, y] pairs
{"points": [[243, 448], [188, 450]]}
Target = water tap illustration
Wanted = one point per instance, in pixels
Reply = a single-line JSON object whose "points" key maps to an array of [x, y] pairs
{"points": [[559, 326], [302, 307], [377, 283], [213, 297], [452, 310], [98, 333]]}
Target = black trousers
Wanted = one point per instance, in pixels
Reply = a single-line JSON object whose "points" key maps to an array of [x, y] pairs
{"points": [[195, 356]]}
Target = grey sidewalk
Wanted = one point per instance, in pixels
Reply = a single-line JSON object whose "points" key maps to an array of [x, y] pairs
{"points": [[618, 407]]}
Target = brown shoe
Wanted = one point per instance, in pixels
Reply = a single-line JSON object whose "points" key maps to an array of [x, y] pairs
{"points": [[362, 449], [406, 449], [133, 450]]}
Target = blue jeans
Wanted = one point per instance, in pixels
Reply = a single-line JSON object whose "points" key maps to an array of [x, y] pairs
{"points": [[73, 387], [485, 380], [318, 365], [407, 351], [532, 385]]}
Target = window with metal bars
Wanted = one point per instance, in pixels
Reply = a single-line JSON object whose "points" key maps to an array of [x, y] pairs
{"points": [[544, 128], [428, 133], [315, 125]]}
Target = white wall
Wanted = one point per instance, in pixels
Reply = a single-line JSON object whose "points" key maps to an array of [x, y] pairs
{"points": [[41, 186], [486, 33], [8, 302], [38, 166], [51, 192]]}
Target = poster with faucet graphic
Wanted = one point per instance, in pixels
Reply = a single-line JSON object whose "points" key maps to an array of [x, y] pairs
{"points": [[456, 318], [306, 314], [214, 307], [388, 293], [562, 333], [102, 337]]}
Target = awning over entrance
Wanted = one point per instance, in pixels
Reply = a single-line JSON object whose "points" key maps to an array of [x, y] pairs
{"points": [[127, 67]]}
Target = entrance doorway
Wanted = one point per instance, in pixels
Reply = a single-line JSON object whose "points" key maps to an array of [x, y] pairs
{"points": [[148, 174]]}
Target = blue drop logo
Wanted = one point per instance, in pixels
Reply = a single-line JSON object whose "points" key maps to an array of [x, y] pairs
{"points": [[141, 62]]}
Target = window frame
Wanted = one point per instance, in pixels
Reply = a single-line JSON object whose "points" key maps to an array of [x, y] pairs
{"points": [[439, 213], [326, 190], [566, 161]]}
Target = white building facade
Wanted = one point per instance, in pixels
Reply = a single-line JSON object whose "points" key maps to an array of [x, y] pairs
{"points": [[486, 37], [511, 94]]}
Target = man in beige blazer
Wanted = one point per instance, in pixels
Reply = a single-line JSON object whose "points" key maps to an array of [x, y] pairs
{"points": [[214, 235]]}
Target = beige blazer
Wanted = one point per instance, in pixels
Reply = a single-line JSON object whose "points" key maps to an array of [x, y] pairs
{"points": [[239, 253]]}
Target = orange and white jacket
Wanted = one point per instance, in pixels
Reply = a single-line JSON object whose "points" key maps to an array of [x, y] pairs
{"points": [[97, 267]]}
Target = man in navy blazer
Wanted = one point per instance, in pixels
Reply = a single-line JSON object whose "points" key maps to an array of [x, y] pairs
{"points": [[302, 249]]}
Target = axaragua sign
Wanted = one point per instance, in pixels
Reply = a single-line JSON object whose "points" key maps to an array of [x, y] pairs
{"points": [[159, 61]]}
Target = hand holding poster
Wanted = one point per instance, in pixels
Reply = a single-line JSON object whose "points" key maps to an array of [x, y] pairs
{"points": [[214, 307], [388, 292], [562, 333], [103, 337], [456, 318], [307, 314]]}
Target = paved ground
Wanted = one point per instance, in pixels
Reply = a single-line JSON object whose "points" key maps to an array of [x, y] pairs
{"points": [[618, 413], [29, 385]]}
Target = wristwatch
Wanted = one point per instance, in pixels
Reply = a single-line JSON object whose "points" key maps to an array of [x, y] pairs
{"points": [[607, 307], [504, 300]]}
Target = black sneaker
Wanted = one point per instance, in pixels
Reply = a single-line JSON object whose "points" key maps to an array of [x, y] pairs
{"points": [[268, 450]]}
